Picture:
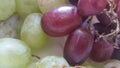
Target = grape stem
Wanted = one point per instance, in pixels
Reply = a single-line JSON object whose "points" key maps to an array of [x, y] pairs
{"points": [[114, 18], [36, 57]]}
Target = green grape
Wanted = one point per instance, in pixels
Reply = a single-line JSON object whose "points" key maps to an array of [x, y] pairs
{"points": [[14, 53], [52, 62], [7, 8], [26, 7], [32, 33], [45, 5]]}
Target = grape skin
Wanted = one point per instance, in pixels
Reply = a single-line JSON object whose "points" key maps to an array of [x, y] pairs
{"points": [[78, 46], [26, 7], [45, 5], [91, 7], [102, 50], [7, 8], [61, 20], [32, 33], [14, 53], [52, 62]]}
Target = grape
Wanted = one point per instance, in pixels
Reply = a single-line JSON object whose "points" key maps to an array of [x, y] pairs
{"points": [[101, 28], [74, 2], [14, 53], [45, 5], [52, 62], [104, 19], [102, 50], [7, 8], [78, 46], [32, 33], [26, 7], [61, 20], [118, 10], [91, 7], [116, 52]]}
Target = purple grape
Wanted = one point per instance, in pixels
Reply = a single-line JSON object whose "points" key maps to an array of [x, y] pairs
{"points": [[61, 20], [104, 19], [102, 50], [91, 7], [74, 2], [78, 46]]}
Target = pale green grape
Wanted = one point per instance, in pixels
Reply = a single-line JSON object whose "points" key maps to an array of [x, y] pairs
{"points": [[14, 53], [7, 8], [52, 62], [26, 7], [45, 5], [32, 32]]}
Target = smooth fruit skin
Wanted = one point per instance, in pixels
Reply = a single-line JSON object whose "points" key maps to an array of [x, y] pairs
{"points": [[61, 20], [52, 62], [102, 50], [32, 33], [45, 5], [78, 46], [7, 9], [91, 7], [14, 53]]}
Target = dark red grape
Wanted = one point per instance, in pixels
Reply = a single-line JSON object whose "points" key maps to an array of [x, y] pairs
{"points": [[118, 10], [74, 2], [102, 50], [116, 52], [61, 20], [78, 46], [91, 7], [100, 28], [104, 28], [103, 18]]}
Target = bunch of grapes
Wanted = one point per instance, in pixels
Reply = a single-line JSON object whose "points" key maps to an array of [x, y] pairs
{"points": [[86, 38]]}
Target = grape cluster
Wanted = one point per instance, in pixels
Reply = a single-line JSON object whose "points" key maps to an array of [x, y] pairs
{"points": [[85, 37]]}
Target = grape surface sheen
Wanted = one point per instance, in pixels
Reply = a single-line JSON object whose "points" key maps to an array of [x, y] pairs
{"points": [[32, 32], [78, 47], [61, 20], [102, 50], [7, 8], [14, 53], [91, 7]]}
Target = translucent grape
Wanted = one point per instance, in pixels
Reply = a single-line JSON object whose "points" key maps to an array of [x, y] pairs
{"points": [[14, 53], [61, 20], [7, 8], [45, 5], [52, 62], [78, 46], [26, 7], [32, 33]]}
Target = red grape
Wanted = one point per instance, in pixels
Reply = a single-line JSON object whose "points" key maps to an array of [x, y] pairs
{"points": [[102, 50], [78, 46], [116, 52], [118, 10], [74, 2], [91, 7], [61, 20], [104, 19]]}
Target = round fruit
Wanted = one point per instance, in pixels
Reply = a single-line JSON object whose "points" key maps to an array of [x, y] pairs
{"points": [[61, 20], [32, 33], [52, 62], [25, 7], [45, 5], [14, 53], [7, 8]]}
